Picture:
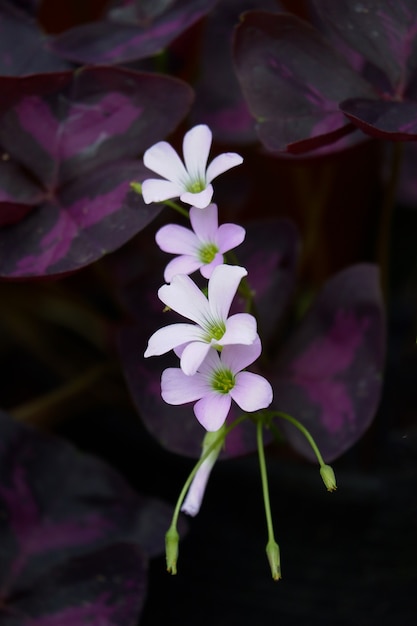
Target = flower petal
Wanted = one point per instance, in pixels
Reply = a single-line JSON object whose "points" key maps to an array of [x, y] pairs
{"points": [[212, 410], [200, 200], [222, 287], [251, 392], [169, 337], [181, 265], [158, 190], [184, 297], [237, 357], [177, 240], [210, 363], [196, 147], [205, 222], [193, 355], [164, 160], [229, 236], [240, 329], [177, 388], [221, 164], [207, 269]]}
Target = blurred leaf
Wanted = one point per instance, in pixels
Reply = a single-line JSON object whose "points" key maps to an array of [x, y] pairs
{"points": [[329, 375], [69, 146], [293, 82], [23, 48], [75, 538], [132, 30], [384, 33]]}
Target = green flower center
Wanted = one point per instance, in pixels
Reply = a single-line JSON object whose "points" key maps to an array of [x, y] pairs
{"points": [[215, 330], [222, 381], [207, 252], [196, 186]]}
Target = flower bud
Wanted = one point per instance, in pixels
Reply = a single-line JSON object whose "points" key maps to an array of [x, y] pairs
{"points": [[328, 477], [192, 502], [272, 552], [171, 549]]}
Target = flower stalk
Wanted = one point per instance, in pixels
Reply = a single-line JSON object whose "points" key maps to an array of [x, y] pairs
{"points": [[272, 548]]}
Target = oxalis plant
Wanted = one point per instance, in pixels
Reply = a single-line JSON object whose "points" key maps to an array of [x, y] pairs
{"points": [[215, 351], [268, 334]]}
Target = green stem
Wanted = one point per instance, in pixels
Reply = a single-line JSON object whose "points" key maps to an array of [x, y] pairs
{"points": [[197, 466], [303, 430], [137, 187], [272, 549], [176, 207], [264, 478]]}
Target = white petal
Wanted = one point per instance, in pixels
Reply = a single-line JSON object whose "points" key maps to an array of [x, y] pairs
{"points": [[208, 269], [210, 363], [212, 410], [169, 337], [156, 190], [164, 160], [237, 357], [181, 265], [229, 236], [221, 164], [196, 147], [251, 392], [192, 356], [200, 200], [177, 240], [240, 329], [222, 287], [184, 297], [177, 388], [205, 222]]}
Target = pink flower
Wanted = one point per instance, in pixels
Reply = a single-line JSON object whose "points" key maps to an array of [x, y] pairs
{"points": [[192, 181], [218, 381], [212, 325], [201, 248]]}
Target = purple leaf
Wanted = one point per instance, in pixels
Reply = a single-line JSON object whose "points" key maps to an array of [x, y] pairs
{"points": [[106, 587], [69, 140], [23, 48], [63, 512], [89, 218], [329, 375], [293, 82], [387, 120], [219, 100], [128, 34], [384, 33]]}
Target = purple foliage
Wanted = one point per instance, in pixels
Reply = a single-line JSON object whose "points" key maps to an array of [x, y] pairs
{"points": [[219, 101], [69, 144], [303, 93], [31, 54], [75, 538], [330, 371], [130, 32]]}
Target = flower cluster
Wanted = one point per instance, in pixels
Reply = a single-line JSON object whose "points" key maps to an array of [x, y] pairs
{"points": [[216, 348]]}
